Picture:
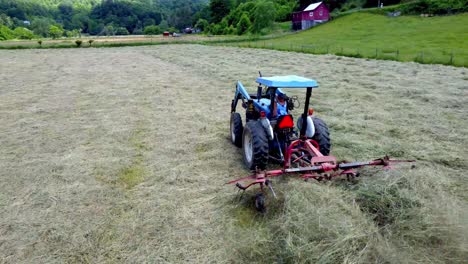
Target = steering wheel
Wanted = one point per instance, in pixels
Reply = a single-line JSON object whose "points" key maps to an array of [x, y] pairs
{"points": [[295, 101]]}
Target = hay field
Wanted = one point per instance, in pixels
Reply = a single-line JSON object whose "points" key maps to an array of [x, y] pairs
{"points": [[120, 155], [115, 41]]}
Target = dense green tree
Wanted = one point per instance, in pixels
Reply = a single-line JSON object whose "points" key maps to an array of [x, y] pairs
{"points": [[219, 9], [65, 9], [235, 15], [202, 24], [231, 30], [6, 33], [152, 30], [204, 13], [6, 20], [264, 14], [223, 25], [80, 21], [55, 32], [244, 24], [23, 33], [173, 30], [149, 22], [164, 25], [216, 29], [121, 31], [109, 30], [73, 33], [41, 26], [16, 13], [94, 27], [284, 9], [181, 18]]}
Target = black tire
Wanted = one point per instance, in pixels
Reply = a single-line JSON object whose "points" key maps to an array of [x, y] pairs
{"points": [[255, 146], [322, 136], [260, 202], [236, 129]]}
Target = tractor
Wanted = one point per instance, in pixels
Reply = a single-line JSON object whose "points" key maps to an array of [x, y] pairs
{"points": [[269, 136], [268, 131]]}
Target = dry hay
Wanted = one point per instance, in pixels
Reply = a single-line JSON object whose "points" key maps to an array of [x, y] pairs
{"points": [[120, 155]]}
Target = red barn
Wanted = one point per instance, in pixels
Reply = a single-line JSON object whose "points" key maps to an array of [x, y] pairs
{"points": [[312, 15]]}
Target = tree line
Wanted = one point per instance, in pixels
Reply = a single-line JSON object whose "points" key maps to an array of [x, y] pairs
{"points": [[55, 18], [26, 19]]}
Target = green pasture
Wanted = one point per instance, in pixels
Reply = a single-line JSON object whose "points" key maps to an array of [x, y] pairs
{"points": [[440, 39]]}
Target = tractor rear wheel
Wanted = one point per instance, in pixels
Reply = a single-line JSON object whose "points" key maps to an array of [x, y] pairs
{"points": [[236, 129], [255, 146], [322, 136]]}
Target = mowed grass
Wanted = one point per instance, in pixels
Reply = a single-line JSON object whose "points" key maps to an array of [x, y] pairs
{"points": [[441, 40], [122, 154]]}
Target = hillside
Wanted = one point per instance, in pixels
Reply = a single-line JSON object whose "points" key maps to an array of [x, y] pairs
{"points": [[95, 17], [405, 38]]}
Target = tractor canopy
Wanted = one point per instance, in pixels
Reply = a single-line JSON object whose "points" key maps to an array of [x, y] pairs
{"points": [[289, 81]]}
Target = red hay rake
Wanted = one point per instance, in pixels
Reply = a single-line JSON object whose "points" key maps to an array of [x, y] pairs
{"points": [[303, 157]]}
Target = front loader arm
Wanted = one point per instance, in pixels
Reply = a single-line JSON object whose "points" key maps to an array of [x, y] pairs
{"points": [[241, 93]]}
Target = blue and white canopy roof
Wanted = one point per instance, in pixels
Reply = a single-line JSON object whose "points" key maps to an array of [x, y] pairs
{"points": [[289, 81]]}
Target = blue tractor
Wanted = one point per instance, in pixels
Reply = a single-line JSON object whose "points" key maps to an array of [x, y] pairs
{"points": [[268, 131]]}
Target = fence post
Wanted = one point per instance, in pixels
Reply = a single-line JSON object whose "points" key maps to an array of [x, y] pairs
{"points": [[397, 54], [328, 49], [451, 58], [376, 53]]}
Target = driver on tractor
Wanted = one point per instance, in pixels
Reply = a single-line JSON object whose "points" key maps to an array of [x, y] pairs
{"points": [[281, 104]]}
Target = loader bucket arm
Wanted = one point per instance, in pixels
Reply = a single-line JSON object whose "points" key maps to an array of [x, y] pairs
{"points": [[241, 93]]}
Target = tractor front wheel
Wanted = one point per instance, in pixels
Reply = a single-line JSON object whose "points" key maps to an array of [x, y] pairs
{"points": [[322, 136], [255, 146], [236, 129]]}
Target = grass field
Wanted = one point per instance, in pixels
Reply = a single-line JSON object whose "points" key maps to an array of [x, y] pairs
{"points": [[441, 40], [116, 41], [121, 155]]}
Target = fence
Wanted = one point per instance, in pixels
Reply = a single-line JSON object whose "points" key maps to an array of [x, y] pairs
{"points": [[424, 57]]}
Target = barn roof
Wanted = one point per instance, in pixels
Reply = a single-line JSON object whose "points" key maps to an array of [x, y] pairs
{"points": [[312, 7]]}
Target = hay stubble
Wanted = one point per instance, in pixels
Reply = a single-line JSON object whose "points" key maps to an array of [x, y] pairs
{"points": [[121, 154]]}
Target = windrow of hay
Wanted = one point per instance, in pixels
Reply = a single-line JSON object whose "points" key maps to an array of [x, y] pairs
{"points": [[121, 155]]}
